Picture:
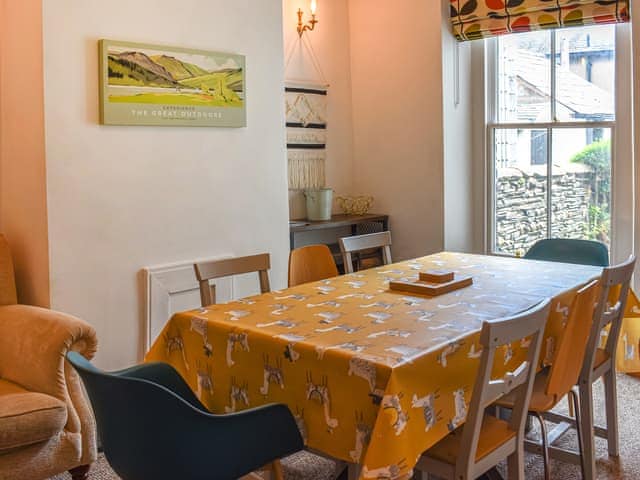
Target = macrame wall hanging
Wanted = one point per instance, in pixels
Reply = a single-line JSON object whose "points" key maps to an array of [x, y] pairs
{"points": [[306, 136], [306, 119]]}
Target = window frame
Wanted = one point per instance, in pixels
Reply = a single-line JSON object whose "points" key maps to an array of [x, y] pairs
{"points": [[622, 171]]}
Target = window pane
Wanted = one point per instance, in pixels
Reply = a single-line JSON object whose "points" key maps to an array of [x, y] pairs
{"points": [[524, 77], [581, 192], [585, 73], [520, 189]]}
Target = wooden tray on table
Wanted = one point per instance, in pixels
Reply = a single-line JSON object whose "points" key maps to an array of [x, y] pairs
{"points": [[432, 283]]}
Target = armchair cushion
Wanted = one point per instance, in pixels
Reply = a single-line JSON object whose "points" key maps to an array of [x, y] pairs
{"points": [[28, 417]]}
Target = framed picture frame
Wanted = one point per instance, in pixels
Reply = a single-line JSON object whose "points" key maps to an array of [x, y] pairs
{"points": [[146, 84]]}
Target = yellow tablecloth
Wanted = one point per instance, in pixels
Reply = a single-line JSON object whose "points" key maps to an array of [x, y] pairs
{"points": [[373, 376], [628, 357]]}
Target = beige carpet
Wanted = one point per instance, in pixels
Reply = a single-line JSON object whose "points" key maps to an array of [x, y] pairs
{"points": [[627, 466], [300, 466], [306, 467]]}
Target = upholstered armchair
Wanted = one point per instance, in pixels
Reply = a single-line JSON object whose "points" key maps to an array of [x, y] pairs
{"points": [[46, 423]]}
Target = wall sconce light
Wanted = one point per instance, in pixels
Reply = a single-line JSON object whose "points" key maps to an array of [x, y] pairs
{"points": [[312, 23]]}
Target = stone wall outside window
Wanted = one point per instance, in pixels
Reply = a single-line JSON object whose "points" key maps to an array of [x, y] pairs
{"points": [[521, 207]]}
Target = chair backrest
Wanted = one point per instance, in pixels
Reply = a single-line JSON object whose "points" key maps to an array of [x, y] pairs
{"points": [[496, 334], [357, 243], [147, 430], [569, 355], [206, 271], [152, 426], [612, 300], [569, 250], [130, 415], [8, 294], [311, 264]]}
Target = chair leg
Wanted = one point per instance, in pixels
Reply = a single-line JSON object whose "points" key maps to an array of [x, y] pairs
{"points": [[611, 401], [573, 401], [276, 467], [586, 424], [80, 473], [515, 464], [545, 446], [572, 412], [354, 471]]}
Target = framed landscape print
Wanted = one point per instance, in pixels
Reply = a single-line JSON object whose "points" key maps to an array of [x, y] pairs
{"points": [[144, 84]]}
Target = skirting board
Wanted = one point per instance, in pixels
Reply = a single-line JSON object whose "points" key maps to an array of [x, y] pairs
{"points": [[173, 288]]}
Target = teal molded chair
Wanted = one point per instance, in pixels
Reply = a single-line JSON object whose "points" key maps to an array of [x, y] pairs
{"points": [[153, 427], [568, 250]]}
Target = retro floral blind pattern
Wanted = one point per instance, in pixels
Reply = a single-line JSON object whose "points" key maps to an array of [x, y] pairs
{"points": [[474, 19]]}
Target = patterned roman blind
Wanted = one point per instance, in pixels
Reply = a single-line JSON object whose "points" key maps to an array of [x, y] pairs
{"points": [[474, 19]]}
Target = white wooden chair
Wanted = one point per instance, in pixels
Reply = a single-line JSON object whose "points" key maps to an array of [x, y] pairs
{"points": [[485, 440], [261, 263], [556, 382], [206, 271], [358, 243], [600, 363]]}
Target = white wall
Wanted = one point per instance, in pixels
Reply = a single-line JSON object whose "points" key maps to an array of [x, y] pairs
{"points": [[459, 186], [396, 70], [622, 187], [331, 44], [635, 25], [121, 198]]}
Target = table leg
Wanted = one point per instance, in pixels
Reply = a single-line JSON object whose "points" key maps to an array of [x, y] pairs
{"points": [[292, 241]]}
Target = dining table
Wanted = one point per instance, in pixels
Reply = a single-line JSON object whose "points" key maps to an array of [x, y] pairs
{"points": [[373, 376]]}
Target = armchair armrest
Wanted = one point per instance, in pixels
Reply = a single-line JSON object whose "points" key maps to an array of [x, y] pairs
{"points": [[33, 345]]}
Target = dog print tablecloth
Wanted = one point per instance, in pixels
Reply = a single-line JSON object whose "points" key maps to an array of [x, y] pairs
{"points": [[373, 376]]}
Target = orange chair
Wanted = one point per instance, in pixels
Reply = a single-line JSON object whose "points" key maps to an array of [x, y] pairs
{"points": [[554, 383], [310, 264]]}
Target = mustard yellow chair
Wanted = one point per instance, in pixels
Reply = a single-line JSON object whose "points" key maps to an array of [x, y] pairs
{"points": [[311, 264], [46, 423]]}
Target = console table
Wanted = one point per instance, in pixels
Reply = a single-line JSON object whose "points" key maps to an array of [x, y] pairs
{"points": [[337, 221]]}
